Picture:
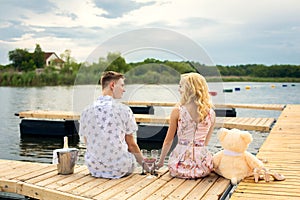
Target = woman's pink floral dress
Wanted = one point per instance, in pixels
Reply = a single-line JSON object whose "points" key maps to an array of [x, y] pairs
{"points": [[190, 158]]}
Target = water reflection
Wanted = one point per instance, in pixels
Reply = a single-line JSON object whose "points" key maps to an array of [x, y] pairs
{"points": [[41, 147]]}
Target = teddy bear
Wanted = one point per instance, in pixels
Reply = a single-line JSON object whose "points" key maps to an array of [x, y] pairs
{"points": [[234, 162]]}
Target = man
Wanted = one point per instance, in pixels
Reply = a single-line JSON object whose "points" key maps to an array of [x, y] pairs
{"points": [[107, 128]]}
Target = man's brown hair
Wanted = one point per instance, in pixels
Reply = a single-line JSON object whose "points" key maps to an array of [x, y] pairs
{"points": [[109, 76]]}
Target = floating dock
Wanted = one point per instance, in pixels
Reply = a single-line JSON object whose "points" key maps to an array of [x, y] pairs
{"points": [[278, 107], [256, 124], [245, 123]]}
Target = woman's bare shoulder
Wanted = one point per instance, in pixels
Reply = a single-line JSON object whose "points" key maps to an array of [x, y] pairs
{"points": [[175, 112]]}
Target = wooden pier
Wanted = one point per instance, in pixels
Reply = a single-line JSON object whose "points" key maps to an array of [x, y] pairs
{"points": [[41, 181], [281, 150]]}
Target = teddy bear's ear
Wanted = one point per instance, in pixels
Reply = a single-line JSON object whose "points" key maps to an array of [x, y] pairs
{"points": [[247, 137], [222, 133]]}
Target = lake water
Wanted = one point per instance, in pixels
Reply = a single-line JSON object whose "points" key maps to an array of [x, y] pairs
{"points": [[14, 100]]}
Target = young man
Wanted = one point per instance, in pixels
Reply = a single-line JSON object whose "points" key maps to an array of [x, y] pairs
{"points": [[107, 128]]}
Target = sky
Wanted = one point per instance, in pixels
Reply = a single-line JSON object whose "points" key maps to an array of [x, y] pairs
{"points": [[229, 32]]}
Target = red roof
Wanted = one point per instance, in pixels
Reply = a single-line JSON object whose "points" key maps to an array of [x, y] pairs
{"points": [[57, 59], [48, 54]]}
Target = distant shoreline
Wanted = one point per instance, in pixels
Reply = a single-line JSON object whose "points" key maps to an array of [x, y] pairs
{"points": [[30, 79], [255, 79]]}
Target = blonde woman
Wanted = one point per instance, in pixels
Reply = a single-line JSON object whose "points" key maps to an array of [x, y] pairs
{"points": [[193, 119]]}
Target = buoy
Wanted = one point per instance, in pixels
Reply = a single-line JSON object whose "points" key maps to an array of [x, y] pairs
{"points": [[227, 90], [247, 87], [237, 89], [213, 93], [272, 86]]}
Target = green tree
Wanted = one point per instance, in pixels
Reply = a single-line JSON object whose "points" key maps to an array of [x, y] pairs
{"points": [[38, 56], [116, 63], [19, 57], [70, 66], [66, 57]]}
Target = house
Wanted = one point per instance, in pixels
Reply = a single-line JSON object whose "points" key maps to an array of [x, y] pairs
{"points": [[52, 59]]}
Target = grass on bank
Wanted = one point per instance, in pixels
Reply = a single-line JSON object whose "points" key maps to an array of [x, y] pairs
{"points": [[259, 79], [28, 79]]}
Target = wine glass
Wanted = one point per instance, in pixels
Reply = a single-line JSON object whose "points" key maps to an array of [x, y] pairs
{"points": [[149, 161], [145, 155], [154, 155], [144, 152]]}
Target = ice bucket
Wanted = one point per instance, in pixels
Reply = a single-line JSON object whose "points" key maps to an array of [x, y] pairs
{"points": [[66, 160]]}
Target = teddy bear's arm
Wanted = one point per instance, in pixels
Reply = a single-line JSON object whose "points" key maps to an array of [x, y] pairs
{"points": [[253, 161]]}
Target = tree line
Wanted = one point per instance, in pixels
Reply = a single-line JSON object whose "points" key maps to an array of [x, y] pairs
{"points": [[23, 70], [258, 70]]}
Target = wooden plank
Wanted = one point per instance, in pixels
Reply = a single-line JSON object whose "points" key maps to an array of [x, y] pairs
{"points": [[49, 114], [278, 107], [201, 189], [148, 190], [117, 188], [42, 178], [167, 189], [89, 185], [26, 168], [184, 189], [268, 189], [249, 196], [148, 103], [37, 173], [218, 188], [8, 185], [51, 180], [38, 192], [9, 166], [132, 189], [103, 186], [153, 119], [69, 179], [76, 184]]}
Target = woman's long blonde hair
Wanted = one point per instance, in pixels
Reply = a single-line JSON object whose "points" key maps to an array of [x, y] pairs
{"points": [[195, 89]]}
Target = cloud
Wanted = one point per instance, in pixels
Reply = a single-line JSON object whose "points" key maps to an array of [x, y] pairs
{"points": [[13, 9], [231, 31], [117, 8]]}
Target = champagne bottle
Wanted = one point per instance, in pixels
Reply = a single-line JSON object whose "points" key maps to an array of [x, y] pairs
{"points": [[66, 142]]}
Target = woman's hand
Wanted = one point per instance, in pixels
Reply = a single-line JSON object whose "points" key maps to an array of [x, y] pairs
{"points": [[159, 164]]}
